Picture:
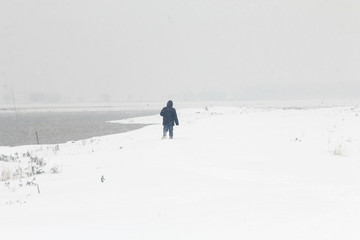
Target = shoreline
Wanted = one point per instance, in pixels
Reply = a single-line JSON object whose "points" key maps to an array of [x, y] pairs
{"points": [[154, 119], [155, 105]]}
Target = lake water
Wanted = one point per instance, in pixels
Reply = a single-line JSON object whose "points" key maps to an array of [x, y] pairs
{"points": [[61, 127]]}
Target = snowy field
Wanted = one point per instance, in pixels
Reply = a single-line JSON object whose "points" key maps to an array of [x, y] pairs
{"points": [[229, 173]]}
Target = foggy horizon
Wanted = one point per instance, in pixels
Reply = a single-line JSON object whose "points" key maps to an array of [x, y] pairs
{"points": [[109, 51]]}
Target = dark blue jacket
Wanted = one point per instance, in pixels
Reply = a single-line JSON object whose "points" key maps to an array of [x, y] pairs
{"points": [[169, 114]]}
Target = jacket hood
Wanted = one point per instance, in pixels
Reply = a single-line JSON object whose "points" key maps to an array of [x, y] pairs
{"points": [[169, 104]]}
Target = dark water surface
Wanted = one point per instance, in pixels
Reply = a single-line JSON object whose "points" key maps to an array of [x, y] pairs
{"points": [[61, 127]]}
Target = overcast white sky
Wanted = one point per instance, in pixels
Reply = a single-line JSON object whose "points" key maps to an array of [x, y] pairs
{"points": [[188, 49]]}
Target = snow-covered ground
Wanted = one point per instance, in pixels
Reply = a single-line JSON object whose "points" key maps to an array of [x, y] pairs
{"points": [[229, 173]]}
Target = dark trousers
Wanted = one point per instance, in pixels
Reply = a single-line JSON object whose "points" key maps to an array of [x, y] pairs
{"points": [[170, 128]]}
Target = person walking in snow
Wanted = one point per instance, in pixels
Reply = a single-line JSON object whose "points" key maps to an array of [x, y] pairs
{"points": [[169, 118]]}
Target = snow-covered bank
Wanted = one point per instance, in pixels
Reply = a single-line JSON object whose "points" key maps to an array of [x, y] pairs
{"points": [[230, 173]]}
